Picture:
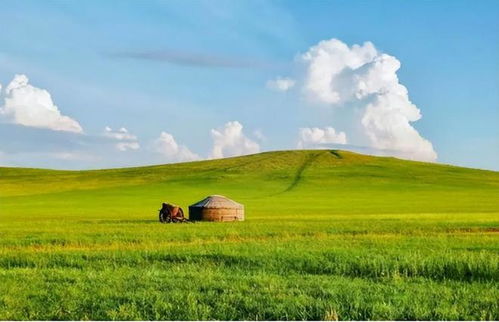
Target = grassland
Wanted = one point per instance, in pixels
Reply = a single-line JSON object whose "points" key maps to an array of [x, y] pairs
{"points": [[329, 234]]}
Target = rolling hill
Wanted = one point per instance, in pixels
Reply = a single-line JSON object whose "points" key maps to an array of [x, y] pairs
{"points": [[328, 234]]}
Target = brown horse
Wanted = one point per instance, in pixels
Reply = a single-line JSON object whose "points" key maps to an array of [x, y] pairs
{"points": [[171, 213]]}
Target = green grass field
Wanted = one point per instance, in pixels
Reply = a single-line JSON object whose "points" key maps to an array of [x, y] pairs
{"points": [[328, 235]]}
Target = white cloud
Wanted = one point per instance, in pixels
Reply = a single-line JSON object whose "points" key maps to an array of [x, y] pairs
{"points": [[121, 134], [231, 141], [314, 137], [31, 106], [127, 141], [281, 84], [171, 150], [124, 146], [363, 77]]}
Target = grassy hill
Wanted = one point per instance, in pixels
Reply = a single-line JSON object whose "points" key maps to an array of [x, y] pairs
{"points": [[328, 234]]}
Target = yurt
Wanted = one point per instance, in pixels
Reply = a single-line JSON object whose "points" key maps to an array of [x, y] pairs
{"points": [[216, 208]]}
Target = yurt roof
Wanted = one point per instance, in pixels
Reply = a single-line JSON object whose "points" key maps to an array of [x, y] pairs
{"points": [[217, 201]]}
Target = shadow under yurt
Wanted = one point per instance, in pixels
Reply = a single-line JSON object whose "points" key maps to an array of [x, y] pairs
{"points": [[216, 208]]}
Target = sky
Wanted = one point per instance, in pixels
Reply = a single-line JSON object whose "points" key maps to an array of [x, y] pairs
{"points": [[98, 84]]}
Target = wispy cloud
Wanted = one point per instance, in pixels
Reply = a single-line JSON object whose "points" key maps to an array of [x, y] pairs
{"points": [[186, 58], [281, 84], [125, 140]]}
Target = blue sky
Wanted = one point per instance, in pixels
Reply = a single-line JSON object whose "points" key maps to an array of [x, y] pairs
{"points": [[199, 79]]}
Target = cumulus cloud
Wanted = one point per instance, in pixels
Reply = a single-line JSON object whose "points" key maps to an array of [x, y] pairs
{"points": [[127, 141], [365, 78], [314, 137], [171, 150], [27, 105], [231, 141], [281, 84]]}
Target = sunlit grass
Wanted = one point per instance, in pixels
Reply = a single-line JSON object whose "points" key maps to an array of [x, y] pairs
{"points": [[342, 236]]}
